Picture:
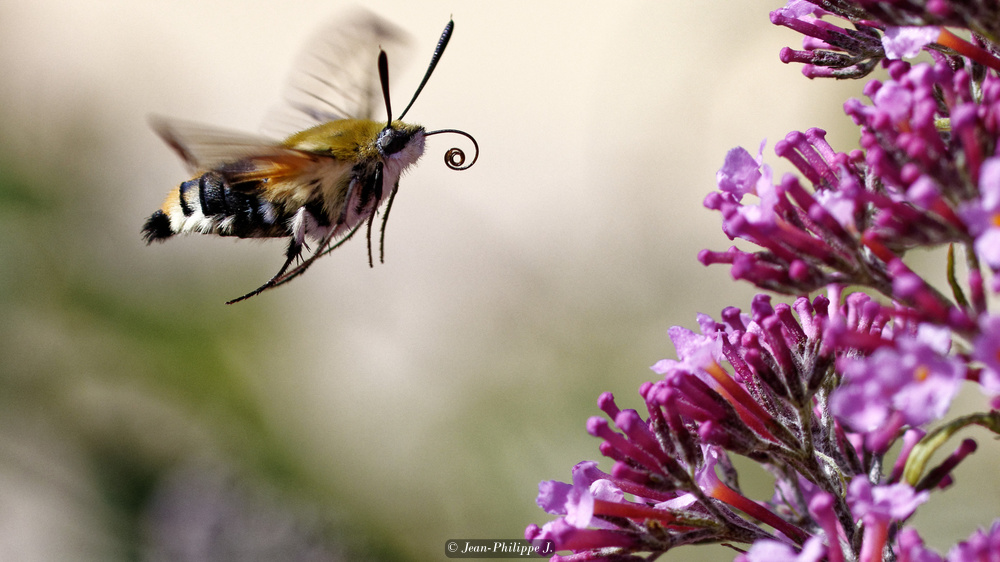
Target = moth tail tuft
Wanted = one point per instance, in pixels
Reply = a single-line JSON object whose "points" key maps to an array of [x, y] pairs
{"points": [[157, 228]]}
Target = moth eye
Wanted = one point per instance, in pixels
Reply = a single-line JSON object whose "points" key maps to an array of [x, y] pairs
{"points": [[392, 141]]}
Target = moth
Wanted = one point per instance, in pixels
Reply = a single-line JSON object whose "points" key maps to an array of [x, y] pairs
{"points": [[320, 184]]}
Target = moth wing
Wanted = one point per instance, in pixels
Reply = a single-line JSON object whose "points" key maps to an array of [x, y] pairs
{"points": [[336, 75], [241, 157]]}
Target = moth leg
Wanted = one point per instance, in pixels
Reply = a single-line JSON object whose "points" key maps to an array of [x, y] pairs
{"points": [[385, 220], [368, 236], [342, 219], [323, 249], [371, 217], [294, 251]]}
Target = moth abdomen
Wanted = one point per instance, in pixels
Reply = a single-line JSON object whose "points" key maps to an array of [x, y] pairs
{"points": [[207, 204], [212, 194]]}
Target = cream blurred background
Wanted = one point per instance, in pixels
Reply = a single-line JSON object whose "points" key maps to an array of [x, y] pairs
{"points": [[376, 412]]}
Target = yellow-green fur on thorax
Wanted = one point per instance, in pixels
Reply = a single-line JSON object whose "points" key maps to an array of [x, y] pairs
{"points": [[345, 139]]}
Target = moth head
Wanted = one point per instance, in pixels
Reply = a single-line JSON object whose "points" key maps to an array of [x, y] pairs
{"points": [[399, 138], [403, 142]]}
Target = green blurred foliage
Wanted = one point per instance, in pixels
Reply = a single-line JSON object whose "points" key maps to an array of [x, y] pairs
{"points": [[107, 394]]}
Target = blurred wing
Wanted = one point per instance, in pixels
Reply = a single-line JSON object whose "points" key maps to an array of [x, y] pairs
{"points": [[240, 157], [336, 76]]}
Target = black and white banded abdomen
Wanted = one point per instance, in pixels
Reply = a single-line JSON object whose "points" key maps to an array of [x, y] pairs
{"points": [[209, 205]]}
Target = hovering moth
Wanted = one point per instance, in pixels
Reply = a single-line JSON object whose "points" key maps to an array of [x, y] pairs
{"points": [[321, 184]]}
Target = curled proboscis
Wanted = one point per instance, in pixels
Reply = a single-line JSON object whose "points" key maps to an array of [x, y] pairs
{"points": [[455, 157]]}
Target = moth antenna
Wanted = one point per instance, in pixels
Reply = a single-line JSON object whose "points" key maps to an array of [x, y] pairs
{"points": [[438, 51], [383, 77]]}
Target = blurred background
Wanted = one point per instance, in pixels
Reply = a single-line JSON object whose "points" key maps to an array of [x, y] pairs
{"points": [[359, 413]]}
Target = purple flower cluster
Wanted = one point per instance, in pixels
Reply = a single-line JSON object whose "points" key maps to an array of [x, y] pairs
{"points": [[882, 29], [817, 391]]}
